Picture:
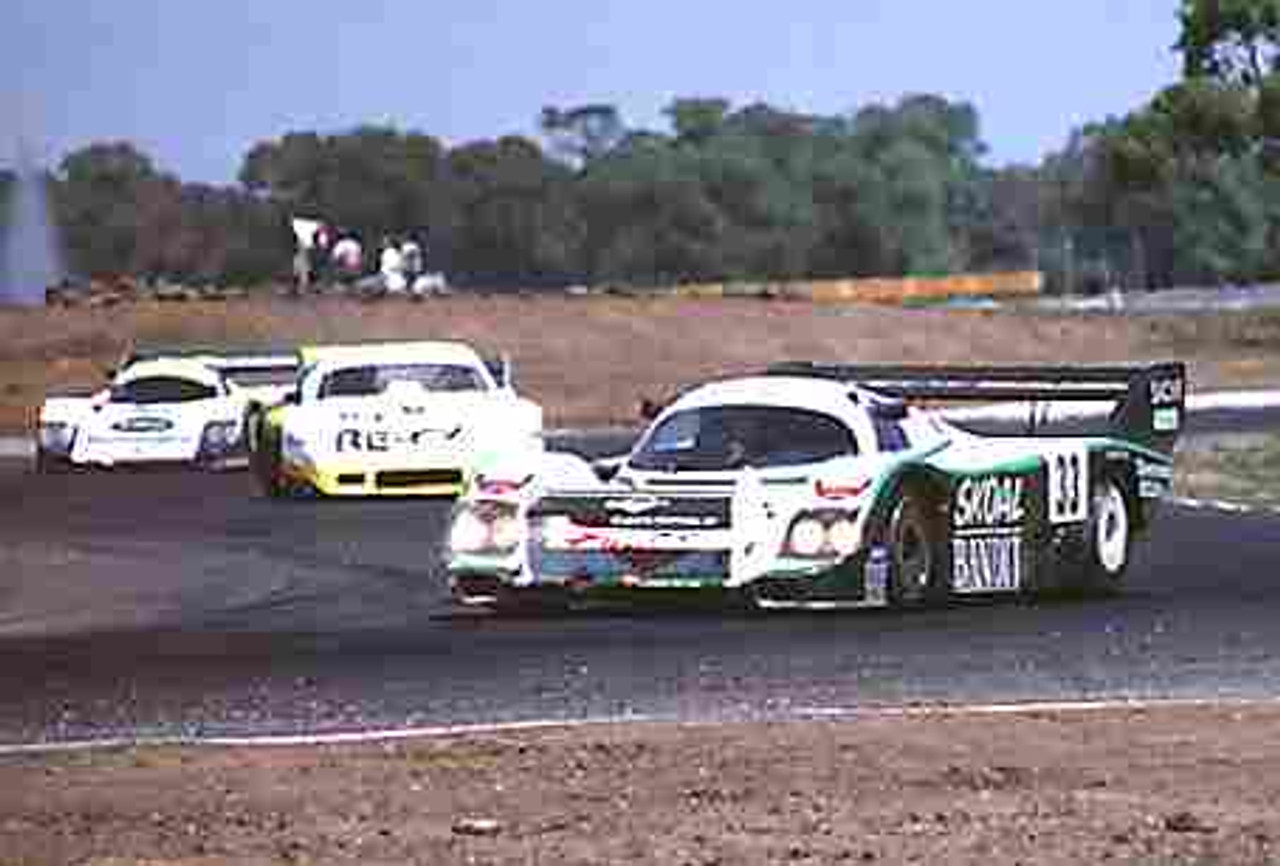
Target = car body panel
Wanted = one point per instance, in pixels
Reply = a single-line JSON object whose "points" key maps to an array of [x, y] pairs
{"points": [[1011, 512], [362, 424], [158, 409]]}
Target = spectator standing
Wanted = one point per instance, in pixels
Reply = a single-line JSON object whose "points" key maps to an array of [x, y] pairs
{"points": [[391, 264], [411, 256], [348, 258], [301, 271], [319, 252]]}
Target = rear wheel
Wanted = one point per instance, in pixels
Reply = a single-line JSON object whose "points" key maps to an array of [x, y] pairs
{"points": [[913, 542], [1108, 535]]}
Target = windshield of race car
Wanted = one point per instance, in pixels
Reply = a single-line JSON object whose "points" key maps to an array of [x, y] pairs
{"points": [[371, 379], [715, 438], [150, 390]]}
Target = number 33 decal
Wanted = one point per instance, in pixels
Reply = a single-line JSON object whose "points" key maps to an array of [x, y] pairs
{"points": [[1068, 485]]}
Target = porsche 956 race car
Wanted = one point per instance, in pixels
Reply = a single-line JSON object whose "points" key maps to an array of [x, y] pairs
{"points": [[391, 419], [829, 485], [161, 407]]}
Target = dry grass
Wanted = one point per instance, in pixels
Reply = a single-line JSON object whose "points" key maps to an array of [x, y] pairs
{"points": [[1243, 468], [589, 359]]}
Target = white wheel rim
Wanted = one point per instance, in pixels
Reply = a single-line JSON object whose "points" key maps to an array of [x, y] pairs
{"points": [[1112, 539]]}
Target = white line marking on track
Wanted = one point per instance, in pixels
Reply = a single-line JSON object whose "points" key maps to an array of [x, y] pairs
{"points": [[1037, 707], [1224, 506], [391, 735], [337, 738]]}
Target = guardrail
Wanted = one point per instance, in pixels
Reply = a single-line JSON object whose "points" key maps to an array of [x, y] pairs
{"points": [[875, 290], [887, 290]]}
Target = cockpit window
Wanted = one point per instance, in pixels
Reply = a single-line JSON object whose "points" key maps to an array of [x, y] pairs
{"points": [[733, 437], [889, 434], [371, 379], [149, 390]]}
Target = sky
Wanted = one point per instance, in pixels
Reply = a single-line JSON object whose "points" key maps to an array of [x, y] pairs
{"points": [[195, 83]]}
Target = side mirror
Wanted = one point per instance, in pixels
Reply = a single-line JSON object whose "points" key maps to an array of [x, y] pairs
{"points": [[291, 398], [606, 469], [500, 369]]}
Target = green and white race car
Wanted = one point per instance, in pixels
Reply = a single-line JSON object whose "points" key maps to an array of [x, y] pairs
{"points": [[832, 485]]}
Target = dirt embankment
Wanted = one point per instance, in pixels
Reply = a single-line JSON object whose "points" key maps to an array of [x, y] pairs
{"points": [[589, 359], [1195, 786]]}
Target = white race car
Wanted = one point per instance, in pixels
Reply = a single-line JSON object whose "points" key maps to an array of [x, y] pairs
{"points": [[819, 486], [161, 408], [392, 419]]}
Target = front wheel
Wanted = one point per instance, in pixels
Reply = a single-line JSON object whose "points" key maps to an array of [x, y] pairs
{"points": [[48, 463], [1108, 535], [264, 461], [913, 550]]}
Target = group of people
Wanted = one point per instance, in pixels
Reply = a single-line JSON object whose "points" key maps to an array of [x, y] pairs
{"points": [[325, 256]]}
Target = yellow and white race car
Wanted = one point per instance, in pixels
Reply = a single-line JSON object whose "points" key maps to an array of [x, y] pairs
{"points": [[391, 419]]}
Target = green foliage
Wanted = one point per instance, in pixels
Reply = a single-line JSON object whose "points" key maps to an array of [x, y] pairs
{"points": [[583, 133], [1183, 189], [515, 219], [1231, 40]]}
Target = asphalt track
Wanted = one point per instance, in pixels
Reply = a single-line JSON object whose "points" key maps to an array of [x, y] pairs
{"points": [[175, 604]]}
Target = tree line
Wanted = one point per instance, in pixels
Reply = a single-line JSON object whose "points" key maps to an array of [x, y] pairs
{"points": [[1182, 190]]}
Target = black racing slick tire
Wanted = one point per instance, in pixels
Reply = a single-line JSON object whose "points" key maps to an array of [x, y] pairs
{"points": [[1108, 535], [51, 464], [252, 427], [913, 538], [264, 461]]}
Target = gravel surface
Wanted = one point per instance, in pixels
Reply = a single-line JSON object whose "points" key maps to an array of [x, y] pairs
{"points": [[1193, 786]]}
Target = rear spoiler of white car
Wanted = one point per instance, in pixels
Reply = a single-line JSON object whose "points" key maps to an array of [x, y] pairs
{"points": [[267, 369], [1143, 403]]}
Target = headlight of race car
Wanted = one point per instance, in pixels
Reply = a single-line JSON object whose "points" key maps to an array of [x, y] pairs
{"points": [[823, 535], [485, 527], [219, 435], [56, 436]]}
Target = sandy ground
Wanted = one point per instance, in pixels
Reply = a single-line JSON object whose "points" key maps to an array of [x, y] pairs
{"points": [[1194, 786], [589, 360]]}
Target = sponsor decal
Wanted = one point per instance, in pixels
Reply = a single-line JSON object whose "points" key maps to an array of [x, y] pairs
{"points": [[1166, 420], [986, 563], [636, 504], [1167, 392], [1160, 471], [666, 521], [357, 440], [1068, 480], [143, 424], [1155, 480], [639, 512], [987, 517], [991, 501]]}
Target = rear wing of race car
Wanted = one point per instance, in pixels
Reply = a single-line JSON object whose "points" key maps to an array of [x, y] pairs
{"points": [[268, 370], [1144, 403]]}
